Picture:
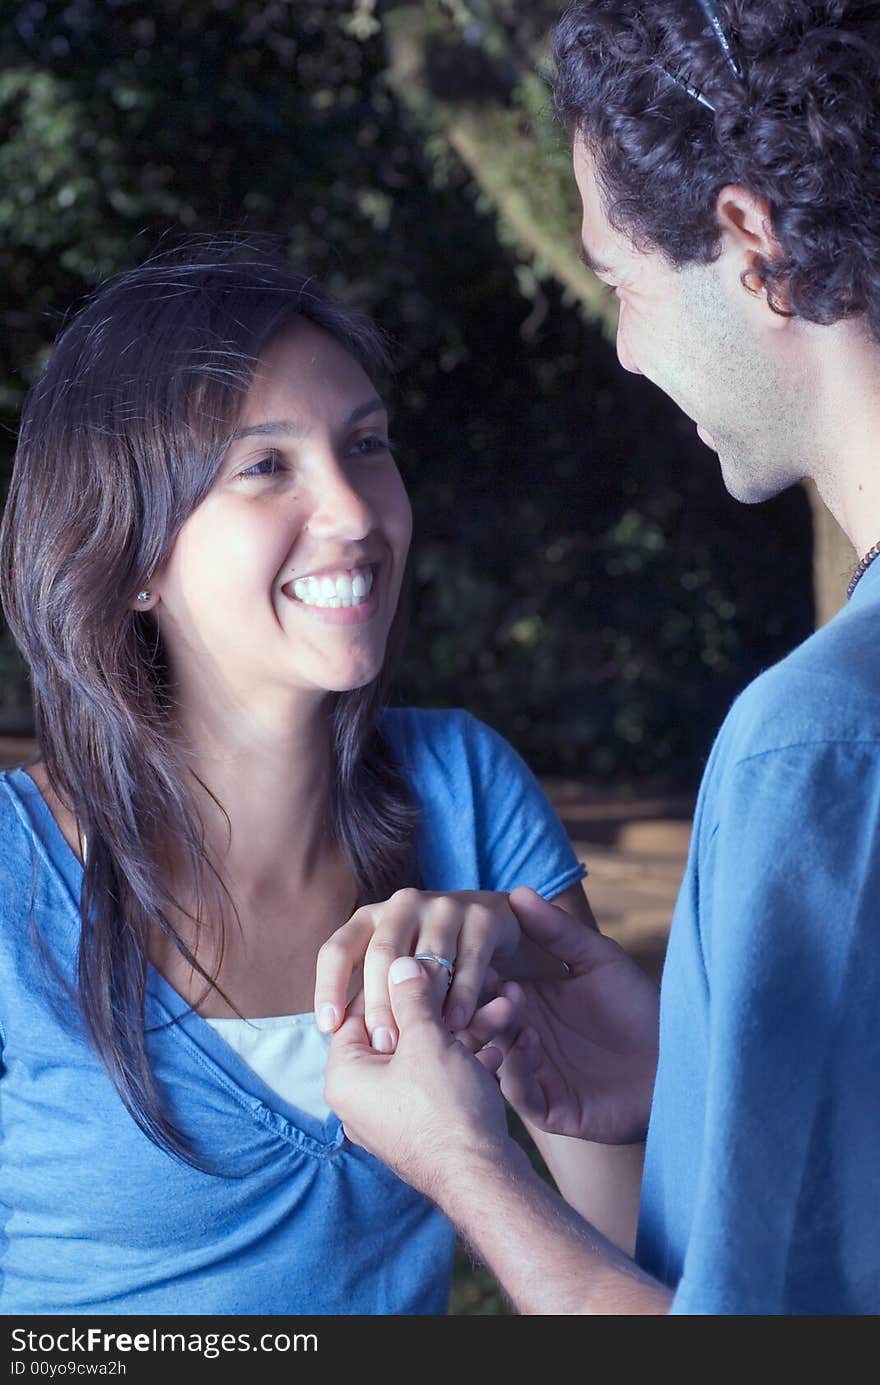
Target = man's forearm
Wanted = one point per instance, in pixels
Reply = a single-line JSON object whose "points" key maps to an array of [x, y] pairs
{"points": [[547, 1258]]}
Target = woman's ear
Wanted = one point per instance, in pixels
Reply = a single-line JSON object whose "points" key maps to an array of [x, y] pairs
{"points": [[145, 600]]}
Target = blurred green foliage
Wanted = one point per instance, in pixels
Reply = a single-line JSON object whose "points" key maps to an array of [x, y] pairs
{"points": [[582, 581]]}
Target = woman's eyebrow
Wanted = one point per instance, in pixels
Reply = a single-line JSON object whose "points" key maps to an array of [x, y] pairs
{"points": [[290, 429]]}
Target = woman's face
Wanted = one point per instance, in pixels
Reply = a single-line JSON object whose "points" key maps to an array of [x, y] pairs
{"points": [[287, 575]]}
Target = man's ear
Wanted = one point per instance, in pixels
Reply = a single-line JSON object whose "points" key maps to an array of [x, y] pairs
{"points": [[746, 227]]}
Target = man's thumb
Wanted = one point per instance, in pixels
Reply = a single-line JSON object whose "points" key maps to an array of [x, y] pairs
{"points": [[555, 930], [413, 993]]}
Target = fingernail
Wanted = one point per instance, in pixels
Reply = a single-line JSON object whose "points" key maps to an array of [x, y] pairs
{"points": [[457, 1016], [404, 969], [327, 1018], [382, 1041]]}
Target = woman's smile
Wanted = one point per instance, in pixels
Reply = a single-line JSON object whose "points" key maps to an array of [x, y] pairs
{"points": [[343, 597]]}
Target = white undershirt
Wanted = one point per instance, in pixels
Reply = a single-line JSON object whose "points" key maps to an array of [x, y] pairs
{"points": [[289, 1052]]}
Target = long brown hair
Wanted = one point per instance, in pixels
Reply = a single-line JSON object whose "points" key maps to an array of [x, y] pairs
{"points": [[121, 438]]}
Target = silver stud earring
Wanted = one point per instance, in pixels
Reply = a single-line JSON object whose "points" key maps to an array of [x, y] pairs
{"points": [[143, 596]]}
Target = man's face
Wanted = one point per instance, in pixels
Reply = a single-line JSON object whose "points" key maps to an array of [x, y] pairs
{"points": [[707, 343]]}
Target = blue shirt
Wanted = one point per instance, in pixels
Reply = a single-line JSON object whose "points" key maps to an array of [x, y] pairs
{"points": [[94, 1218], [761, 1192]]}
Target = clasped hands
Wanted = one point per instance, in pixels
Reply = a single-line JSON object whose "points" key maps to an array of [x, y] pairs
{"points": [[417, 1073], [477, 930]]}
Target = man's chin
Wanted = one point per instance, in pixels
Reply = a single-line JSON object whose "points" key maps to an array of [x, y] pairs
{"points": [[744, 485]]}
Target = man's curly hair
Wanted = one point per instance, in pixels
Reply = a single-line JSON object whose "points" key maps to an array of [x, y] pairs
{"points": [[800, 129]]}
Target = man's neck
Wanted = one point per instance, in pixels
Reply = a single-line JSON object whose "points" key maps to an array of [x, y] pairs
{"points": [[847, 474]]}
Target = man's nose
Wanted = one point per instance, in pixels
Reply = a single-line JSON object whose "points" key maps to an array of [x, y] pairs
{"points": [[624, 355]]}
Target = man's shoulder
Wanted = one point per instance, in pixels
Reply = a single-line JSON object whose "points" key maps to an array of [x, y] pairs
{"points": [[826, 690]]}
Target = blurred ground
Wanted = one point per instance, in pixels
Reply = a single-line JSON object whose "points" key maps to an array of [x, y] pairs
{"points": [[635, 849]]}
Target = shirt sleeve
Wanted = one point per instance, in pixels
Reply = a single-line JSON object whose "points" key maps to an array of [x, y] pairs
{"points": [[520, 837], [788, 1200]]}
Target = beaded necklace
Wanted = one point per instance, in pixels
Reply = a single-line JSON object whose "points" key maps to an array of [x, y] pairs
{"points": [[861, 568]]}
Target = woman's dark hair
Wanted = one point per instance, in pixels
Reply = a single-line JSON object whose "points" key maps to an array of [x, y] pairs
{"points": [[800, 128], [121, 438]]}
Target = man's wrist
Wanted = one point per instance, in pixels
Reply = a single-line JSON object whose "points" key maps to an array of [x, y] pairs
{"points": [[547, 1257], [473, 1170]]}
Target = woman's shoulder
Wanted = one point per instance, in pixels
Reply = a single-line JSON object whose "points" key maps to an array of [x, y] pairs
{"points": [[424, 723], [487, 822], [15, 783], [16, 831], [451, 742], [17, 786], [446, 730]]}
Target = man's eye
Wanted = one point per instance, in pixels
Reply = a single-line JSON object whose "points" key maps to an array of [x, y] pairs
{"points": [[266, 466], [365, 447]]}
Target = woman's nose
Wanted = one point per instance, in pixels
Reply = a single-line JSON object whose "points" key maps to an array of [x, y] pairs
{"points": [[339, 509]]}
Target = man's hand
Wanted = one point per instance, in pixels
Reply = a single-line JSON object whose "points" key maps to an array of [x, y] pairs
{"points": [[425, 1109], [585, 1057]]}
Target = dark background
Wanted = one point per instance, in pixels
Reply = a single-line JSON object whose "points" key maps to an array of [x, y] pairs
{"points": [[582, 580]]}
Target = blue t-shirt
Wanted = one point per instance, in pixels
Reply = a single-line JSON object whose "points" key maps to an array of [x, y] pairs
{"points": [[94, 1218], [761, 1192]]}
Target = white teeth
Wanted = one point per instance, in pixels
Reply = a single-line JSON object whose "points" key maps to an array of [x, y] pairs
{"points": [[334, 592]]}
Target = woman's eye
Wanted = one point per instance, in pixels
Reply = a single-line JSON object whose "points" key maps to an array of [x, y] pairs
{"points": [[366, 447], [266, 466]]}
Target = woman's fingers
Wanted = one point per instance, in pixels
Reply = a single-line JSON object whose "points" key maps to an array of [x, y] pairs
{"points": [[487, 930], [338, 959], [411, 921], [465, 930], [519, 1077], [495, 1023], [490, 1058], [514, 1053], [499, 1022]]}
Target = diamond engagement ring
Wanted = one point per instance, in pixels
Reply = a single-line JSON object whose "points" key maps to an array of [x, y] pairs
{"points": [[441, 961]]}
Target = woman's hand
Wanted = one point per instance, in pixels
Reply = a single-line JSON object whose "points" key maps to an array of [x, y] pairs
{"points": [[474, 929]]}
